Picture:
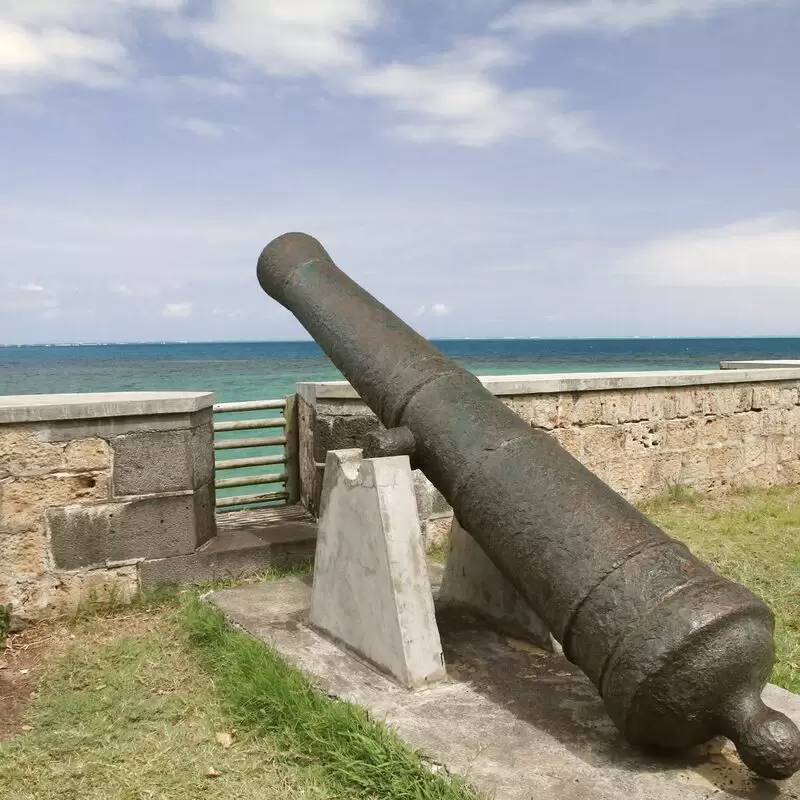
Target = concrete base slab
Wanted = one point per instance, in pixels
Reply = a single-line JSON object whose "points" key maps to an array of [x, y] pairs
{"points": [[234, 554], [517, 721], [472, 582], [371, 590]]}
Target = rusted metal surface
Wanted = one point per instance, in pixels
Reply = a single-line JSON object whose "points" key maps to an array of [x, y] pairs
{"points": [[678, 653]]}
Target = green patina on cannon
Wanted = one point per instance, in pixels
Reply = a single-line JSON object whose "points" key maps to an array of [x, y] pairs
{"points": [[678, 653]]}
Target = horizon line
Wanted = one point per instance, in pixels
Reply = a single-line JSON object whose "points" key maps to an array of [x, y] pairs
{"points": [[166, 342]]}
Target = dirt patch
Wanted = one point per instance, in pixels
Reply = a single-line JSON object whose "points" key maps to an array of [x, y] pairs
{"points": [[27, 655], [21, 662]]}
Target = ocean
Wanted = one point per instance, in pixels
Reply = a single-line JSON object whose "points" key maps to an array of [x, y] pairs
{"points": [[263, 370]]}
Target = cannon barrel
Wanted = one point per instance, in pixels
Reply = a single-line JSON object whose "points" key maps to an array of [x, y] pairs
{"points": [[678, 653]]}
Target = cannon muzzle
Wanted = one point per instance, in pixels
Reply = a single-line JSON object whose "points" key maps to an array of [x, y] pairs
{"points": [[678, 653]]}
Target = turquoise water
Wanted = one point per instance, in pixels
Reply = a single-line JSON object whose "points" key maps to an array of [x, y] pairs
{"points": [[257, 370], [266, 370]]}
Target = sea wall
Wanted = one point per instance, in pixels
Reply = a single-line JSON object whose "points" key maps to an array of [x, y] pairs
{"points": [[93, 487], [640, 432]]}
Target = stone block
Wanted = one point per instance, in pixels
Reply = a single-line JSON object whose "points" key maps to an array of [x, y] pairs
{"points": [[87, 455], [23, 453], [436, 530], [712, 431], [539, 411], [642, 437], [694, 468], [56, 593], [743, 425], [754, 451], [725, 460], [717, 400], [23, 554], [203, 455], [234, 556], [472, 582], [616, 407], [343, 407], [789, 397], [341, 432], [100, 586], [109, 427], [158, 462], [630, 476], [570, 439], [666, 471], [743, 398], [765, 395], [682, 402], [24, 500], [681, 434], [155, 527], [371, 590], [777, 422], [788, 472], [587, 409], [603, 442], [205, 516], [780, 449]]}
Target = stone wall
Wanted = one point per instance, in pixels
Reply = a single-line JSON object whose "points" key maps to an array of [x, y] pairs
{"points": [[92, 487], [640, 432]]}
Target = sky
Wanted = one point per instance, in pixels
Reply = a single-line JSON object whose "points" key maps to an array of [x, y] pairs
{"points": [[486, 168]]}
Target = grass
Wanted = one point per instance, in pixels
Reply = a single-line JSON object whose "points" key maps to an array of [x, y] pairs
{"points": [[5, 623], [162, 699], [271, 699], [165, 700], [753, 537]]}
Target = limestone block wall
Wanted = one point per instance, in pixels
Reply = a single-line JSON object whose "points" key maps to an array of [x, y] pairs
{"points": [[92, 487], [640, 432]]}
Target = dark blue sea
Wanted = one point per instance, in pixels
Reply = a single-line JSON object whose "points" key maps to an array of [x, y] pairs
{"points": [[257, 370]]}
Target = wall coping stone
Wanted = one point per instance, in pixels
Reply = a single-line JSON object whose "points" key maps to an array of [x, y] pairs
{"points": [[24, 408], [777, 364], [558, 383]]}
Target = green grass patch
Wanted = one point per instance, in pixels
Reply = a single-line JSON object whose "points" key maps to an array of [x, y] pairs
{"points": [[271, 699], [753, 537], [126, 713], [5, 623]]}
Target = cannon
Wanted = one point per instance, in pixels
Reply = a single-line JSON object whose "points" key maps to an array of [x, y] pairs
{"points": [[678, 653]]}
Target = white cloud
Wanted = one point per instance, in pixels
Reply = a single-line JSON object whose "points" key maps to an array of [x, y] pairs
{"points": [[177, 310], [202, 128], [618, 17], [56, 54], [236, 313], [748, 254], [31, 287], [436, 310], [289, 38], [455, 97], [68, 41]]}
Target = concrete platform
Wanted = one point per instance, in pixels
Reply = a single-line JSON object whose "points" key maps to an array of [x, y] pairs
{"points": [[247, 543], [518, 722]]}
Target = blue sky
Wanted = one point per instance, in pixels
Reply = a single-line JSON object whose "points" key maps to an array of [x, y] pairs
{"points": [[485, 167]]}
